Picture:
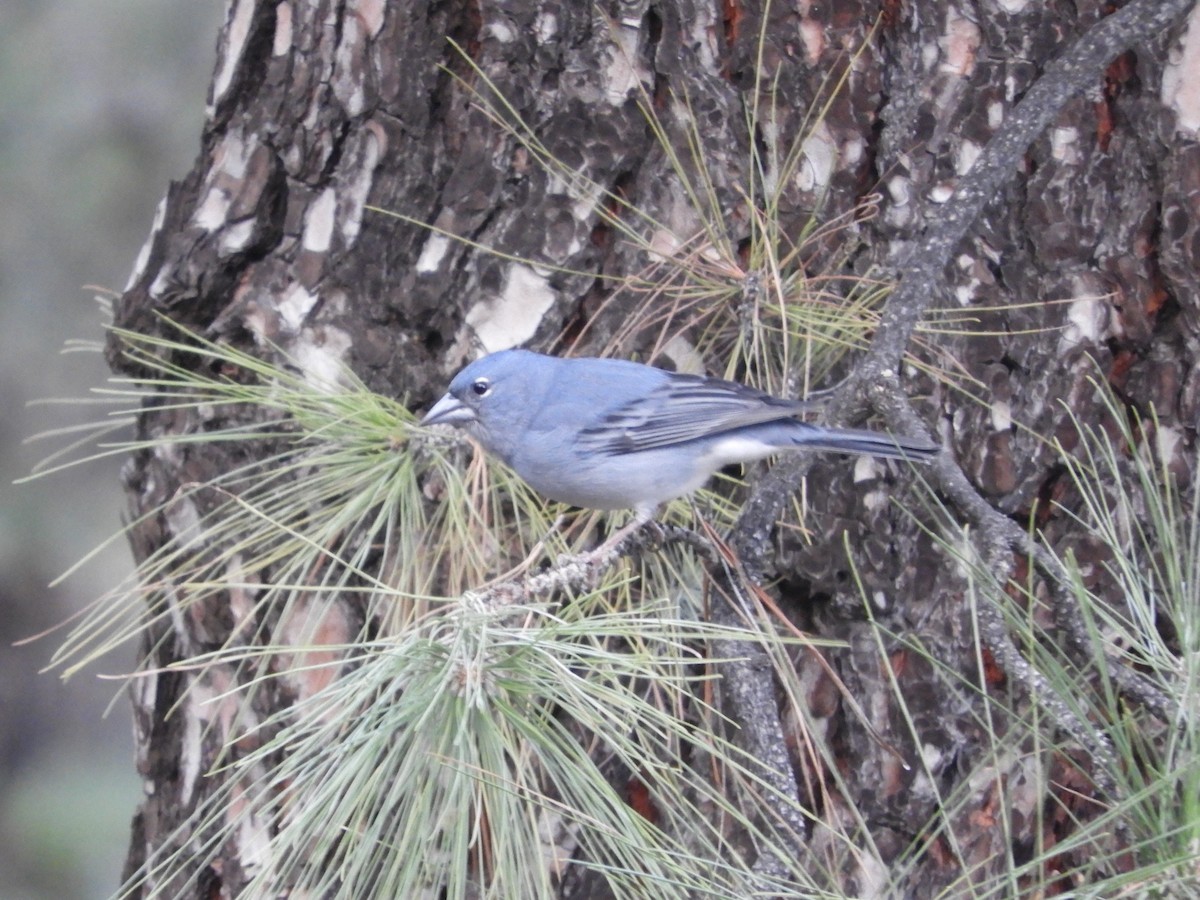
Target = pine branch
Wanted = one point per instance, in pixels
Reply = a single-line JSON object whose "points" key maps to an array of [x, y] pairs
{"points": [[875, 382]]}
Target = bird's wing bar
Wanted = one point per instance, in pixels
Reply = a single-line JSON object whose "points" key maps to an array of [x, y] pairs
{"points": [[682, 409]]}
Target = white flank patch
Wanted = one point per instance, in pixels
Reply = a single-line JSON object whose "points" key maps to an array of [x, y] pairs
{"points": [[733, 449]]}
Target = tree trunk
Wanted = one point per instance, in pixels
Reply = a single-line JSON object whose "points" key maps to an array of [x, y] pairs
{"points": [[320, 114]]}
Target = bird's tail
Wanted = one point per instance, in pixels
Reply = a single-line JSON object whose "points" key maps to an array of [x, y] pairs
{"points": [[872, 443]]}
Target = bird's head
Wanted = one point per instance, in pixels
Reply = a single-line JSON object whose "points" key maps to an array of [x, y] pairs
{"points": [[490, 398]]}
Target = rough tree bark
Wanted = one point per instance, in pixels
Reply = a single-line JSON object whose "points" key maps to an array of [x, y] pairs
{"points": [[320, 110]]}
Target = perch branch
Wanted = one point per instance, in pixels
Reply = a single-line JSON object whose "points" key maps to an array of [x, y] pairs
{"points": [[875, 381]]}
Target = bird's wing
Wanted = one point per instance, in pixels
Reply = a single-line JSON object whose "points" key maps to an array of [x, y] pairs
{"points": [[680, 409]]}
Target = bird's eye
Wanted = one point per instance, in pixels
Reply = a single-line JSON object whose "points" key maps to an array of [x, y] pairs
{"points": [[481, 387]]}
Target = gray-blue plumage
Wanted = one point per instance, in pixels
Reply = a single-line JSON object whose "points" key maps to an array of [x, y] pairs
{"points": [[612, 434]]}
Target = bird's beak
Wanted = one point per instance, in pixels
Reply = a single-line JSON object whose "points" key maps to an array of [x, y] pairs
{"points": [[449, 411]]}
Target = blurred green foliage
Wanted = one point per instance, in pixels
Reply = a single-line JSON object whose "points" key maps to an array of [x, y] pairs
{"points": [[100, 106]]}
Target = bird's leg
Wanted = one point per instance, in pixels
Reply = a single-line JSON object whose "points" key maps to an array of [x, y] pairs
{"points": [[592, 559], [609, 547]]}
